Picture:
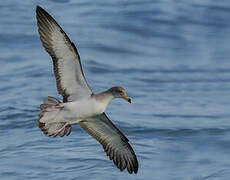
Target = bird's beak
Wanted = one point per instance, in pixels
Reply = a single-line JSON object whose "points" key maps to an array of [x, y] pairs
{"points": [[126, 98]]}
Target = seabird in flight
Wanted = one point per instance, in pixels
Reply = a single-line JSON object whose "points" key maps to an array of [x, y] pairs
{"points": [[80, 104]]}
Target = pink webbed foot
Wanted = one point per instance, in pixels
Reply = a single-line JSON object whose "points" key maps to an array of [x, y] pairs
{"points": [[56, 132]]}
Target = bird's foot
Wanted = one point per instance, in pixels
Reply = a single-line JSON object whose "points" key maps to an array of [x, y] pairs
{"points": [[56, 132]]}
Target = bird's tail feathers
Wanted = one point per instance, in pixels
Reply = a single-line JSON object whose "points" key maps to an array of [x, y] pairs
{"points": [[50, 111], [51, 103]]}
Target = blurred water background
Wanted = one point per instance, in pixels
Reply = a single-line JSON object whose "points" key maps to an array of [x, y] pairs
{"points": [[172, 56]]}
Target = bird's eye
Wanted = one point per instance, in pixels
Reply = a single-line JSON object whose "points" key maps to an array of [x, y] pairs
{"points": [[121, 92]]}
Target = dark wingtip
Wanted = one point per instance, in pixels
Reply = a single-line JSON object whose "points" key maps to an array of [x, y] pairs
{"points": [[136, 165], [42, 12], [38, 8], [133, 168], [136, 168]]}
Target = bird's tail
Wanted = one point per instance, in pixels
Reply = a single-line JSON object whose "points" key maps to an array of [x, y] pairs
{"points": [[49, 113]]}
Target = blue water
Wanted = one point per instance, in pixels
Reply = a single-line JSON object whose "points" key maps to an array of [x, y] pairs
{"points": [[172, 57]]}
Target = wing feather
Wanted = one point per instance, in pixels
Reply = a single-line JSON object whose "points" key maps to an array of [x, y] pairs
{"points": [[114, 142], [70, 80]]}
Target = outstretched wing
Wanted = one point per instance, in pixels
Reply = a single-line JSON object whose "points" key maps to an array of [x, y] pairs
{"points": [[114, 142], [70, 80]]}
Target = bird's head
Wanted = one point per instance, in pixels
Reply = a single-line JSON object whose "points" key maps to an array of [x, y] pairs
{"points": [[119, 92]]}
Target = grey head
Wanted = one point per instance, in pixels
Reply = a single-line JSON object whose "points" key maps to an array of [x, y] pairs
{"points": [[119, 92]]}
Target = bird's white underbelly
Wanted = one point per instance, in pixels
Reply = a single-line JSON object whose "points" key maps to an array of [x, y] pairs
{"points": [[79, 110]]}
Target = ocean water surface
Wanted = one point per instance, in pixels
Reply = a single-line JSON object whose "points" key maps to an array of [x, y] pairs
{"points": [[172, 57]]}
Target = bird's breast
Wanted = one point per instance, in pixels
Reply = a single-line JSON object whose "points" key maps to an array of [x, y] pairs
{"points": [[84, 108]]}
